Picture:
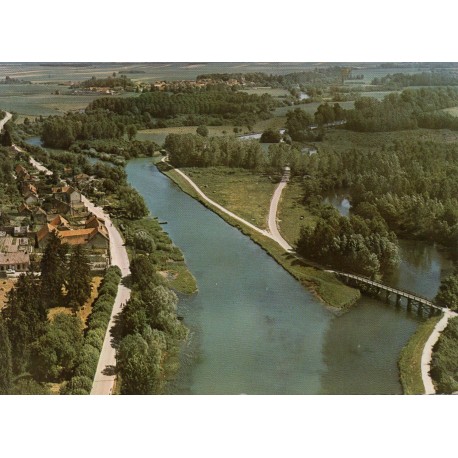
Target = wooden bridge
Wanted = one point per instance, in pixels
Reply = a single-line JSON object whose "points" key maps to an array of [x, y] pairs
{"points": [[412, 298]]}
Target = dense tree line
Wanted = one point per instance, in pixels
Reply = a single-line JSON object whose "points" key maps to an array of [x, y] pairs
{"points": [[447, 295], [62, 131], [317, 76], [401, 80], [408, 110], [111, 82], [117, 147], [355, 244], [190, 150], [411, 184], [90, 346], [227, 104]]}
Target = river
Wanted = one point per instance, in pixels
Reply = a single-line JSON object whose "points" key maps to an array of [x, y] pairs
{"points": [[254, 328], [423, 265]]}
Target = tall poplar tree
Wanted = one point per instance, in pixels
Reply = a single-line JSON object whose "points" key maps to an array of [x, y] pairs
{"points": [[53, 271]]}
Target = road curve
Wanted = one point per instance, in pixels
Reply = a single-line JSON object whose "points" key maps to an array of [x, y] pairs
{"points": [[272, 220], [5, 120], [426, 356]]}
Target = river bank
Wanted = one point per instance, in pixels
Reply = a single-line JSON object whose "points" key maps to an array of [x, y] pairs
{"points": [[323, 285]]}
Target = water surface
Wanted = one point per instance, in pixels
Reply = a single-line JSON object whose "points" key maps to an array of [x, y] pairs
{"points": [[254, 328]]}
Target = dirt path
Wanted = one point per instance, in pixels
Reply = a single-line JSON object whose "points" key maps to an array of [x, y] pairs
{"points": [[428, 351], [273, 228], [273, 232], [220, 207]]}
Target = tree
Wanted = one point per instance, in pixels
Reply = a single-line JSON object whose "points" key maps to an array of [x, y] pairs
{"points": [[131, 131], [132, 203], [56, 353], [25, 318], [270, 136], [78, 277], [202, 131], [448, 292], [6, 365], [53, 271], [139, 365]]}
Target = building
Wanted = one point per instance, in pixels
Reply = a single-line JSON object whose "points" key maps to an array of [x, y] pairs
{"points": [[91, 238], [19, 261], [67, 194], [39, 216]]}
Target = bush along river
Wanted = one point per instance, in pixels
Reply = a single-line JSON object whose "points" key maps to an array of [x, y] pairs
{"points": [[254, 328]]}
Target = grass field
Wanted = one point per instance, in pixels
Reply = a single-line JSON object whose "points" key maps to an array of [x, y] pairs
{"points": [[243, 192], [452, 111], [292, 214], [86, 309], [323, 284], [410, 359], [274, 92], [158, 135], [6, 285], [309, 107]]}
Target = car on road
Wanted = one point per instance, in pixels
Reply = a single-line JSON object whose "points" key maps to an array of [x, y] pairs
{"points": [[10, 271]]}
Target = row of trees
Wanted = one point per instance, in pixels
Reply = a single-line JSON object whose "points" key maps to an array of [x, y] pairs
{"points": [[147, 330], [352, 244], [227, 104], [79, 379]]}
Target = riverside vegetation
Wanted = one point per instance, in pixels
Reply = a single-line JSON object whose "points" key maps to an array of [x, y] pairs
{"points": [[400, 186]]}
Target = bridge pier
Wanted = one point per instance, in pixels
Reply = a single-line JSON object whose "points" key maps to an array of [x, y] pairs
{"points": [[432, 311], [398, 300], [409, 305], [420, 309]]}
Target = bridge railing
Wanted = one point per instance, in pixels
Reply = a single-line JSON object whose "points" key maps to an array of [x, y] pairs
{"points": [[382, 285]]}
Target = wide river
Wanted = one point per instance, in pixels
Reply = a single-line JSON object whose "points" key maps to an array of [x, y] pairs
{"points": [[254, 328]]}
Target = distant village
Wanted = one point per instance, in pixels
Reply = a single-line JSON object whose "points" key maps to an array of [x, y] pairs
{"points": [[58, 209]]}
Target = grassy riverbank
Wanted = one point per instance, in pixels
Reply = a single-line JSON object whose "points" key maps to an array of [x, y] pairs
{"points": [[243, 192], [410, 358], [168, 257], [323, 284]]}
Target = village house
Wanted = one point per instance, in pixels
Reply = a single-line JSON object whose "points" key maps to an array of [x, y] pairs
{"points": [[21, 173], [18, 261], [67, 194], [24, 210], [39, 216], [29, 193], [60, 223], [92, 238]]}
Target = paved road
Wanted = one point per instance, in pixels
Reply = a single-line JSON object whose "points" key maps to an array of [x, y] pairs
{"points": [[104, 376], [5, 120], [428, 351]]}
